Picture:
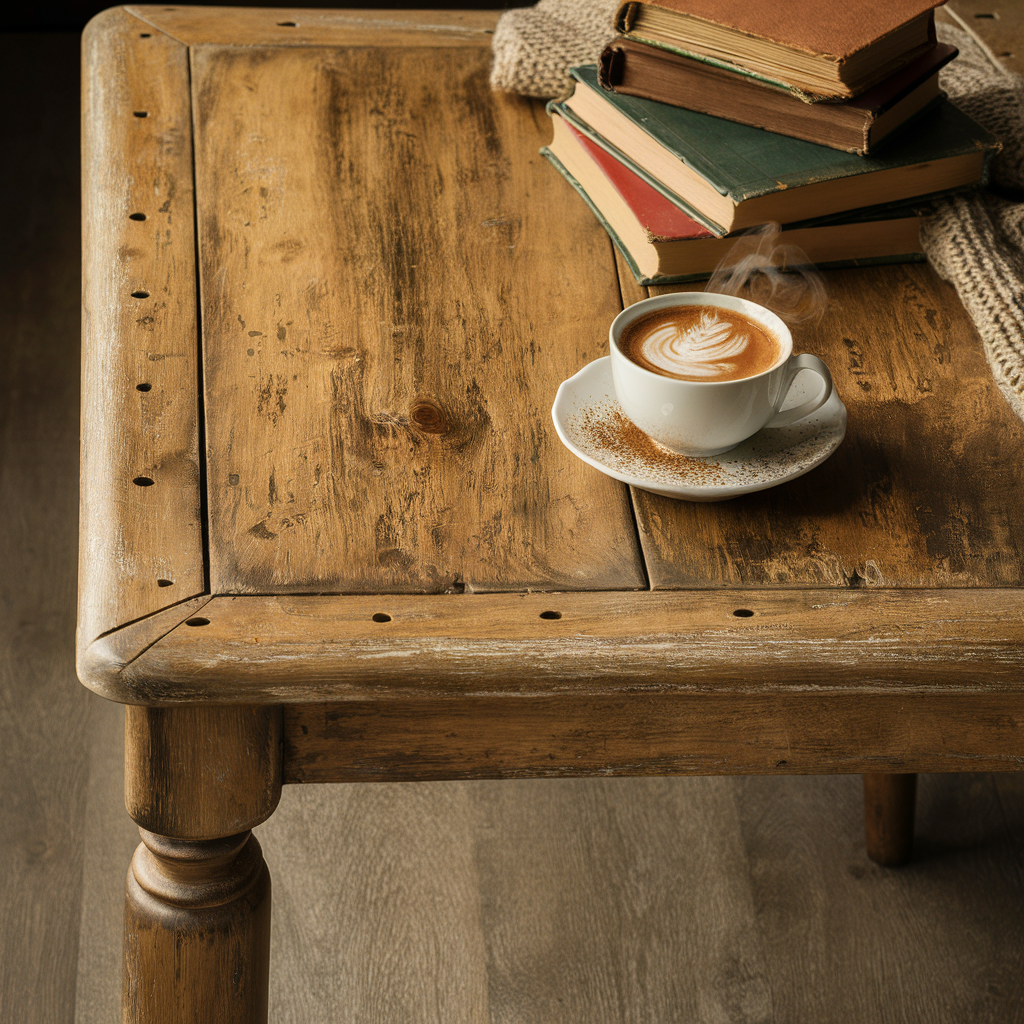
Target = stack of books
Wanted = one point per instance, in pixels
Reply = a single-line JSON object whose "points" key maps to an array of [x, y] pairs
{"points": [[708, 117]]}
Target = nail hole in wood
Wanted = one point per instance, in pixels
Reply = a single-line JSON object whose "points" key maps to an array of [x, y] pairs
{"points": [[145, 35], [140, 295], [141, 113], [142, 481], [165, 583], [550, 615], [381, 617], [136, 216], [743, 613], [985, 16], [143, 387], [287, 24], [197, 621]]}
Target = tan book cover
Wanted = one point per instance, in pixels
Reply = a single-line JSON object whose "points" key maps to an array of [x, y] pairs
{"points": [[835, 29], [832, 50]]}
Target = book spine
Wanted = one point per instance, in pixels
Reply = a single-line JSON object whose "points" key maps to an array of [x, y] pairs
{"points": [[610, 66], [625, 16]]}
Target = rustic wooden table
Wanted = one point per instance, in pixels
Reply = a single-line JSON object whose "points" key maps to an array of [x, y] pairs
{"points": [[329, 534]]}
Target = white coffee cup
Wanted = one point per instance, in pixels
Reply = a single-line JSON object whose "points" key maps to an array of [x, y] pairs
{"points": [[702, 418]]}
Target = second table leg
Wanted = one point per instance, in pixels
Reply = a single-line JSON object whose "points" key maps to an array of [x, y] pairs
{"points": [[889, 801]]}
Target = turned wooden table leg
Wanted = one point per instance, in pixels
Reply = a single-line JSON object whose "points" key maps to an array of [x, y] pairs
{"points": [[197, 931], [889, 817], [197, 910]]}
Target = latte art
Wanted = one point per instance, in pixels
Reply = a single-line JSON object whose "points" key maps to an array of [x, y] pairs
{"points": [[708, 348], [700, 343]]}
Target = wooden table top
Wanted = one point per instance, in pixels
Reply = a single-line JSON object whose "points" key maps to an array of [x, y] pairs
{"points": [[330, 291]]}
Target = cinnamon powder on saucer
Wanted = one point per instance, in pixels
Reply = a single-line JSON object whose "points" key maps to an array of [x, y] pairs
{"points": [[619, 440]]}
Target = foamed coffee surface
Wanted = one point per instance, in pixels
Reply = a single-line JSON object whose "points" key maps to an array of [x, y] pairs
{"points": [[704, 343]]}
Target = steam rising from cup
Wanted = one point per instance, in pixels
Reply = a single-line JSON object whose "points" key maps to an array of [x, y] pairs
{"points": [[780, 277]]}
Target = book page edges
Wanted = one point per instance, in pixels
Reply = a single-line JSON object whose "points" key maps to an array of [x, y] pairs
{"points": [[650, 175], [699, 247]]}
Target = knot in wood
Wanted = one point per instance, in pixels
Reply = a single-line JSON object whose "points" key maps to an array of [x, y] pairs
{"points": [[428, 417]]}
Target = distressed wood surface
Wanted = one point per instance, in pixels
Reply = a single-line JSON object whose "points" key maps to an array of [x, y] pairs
{"points": [[835, 918], [141, 543], [999, 24], [290, 26], [101, 663], [379, 372], [923, 492], [294, 649], [202, 772], [661, 733]]}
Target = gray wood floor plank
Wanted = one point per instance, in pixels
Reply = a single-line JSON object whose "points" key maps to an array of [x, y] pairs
{"points": [[376, 906], [617, 900], [44, 713], [109, 838], [1010, 794], [846, 940]]}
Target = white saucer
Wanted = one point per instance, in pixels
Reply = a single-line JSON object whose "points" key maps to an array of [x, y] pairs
{"points": [[592, 426]]}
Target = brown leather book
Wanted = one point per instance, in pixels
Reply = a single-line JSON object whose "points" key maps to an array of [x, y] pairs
{"points": [[857, 126], [825, 48]]}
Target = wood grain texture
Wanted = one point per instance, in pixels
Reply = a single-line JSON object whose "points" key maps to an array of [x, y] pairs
{"points": [[101, 663], [291, 26], [624, 900], [197, 932], [652, 734], [629, 290], [141, 545], [202, 773], [108, 839], [293, 649], [377, 907], [393, 287], [847, 940], [889, 817], [923, 492]]}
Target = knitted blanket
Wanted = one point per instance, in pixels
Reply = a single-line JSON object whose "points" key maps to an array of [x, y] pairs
{"points": [[975, 241]]}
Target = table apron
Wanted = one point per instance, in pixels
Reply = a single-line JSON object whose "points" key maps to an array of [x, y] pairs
{"points": [[652, 734]]}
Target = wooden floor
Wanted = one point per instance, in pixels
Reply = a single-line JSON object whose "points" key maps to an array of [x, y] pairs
{"points": [[648, 901]]}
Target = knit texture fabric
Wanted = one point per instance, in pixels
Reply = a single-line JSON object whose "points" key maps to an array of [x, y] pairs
{"points": [[534, 47], [975, 241]]}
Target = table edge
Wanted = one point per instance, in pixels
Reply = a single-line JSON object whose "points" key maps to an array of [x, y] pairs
{"points": [[278, 649]]}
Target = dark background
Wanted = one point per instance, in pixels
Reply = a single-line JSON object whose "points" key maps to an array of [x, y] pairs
{"points": [[72, 15]]}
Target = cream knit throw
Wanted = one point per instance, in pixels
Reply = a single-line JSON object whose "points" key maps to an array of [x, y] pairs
{"points": [[975, 241]]}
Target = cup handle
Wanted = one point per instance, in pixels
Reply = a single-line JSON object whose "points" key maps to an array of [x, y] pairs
{"points": [[804, 361]]}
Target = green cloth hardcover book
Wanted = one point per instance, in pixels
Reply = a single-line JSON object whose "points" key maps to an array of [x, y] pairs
{"points": [[662, 245], [732, 176]]}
